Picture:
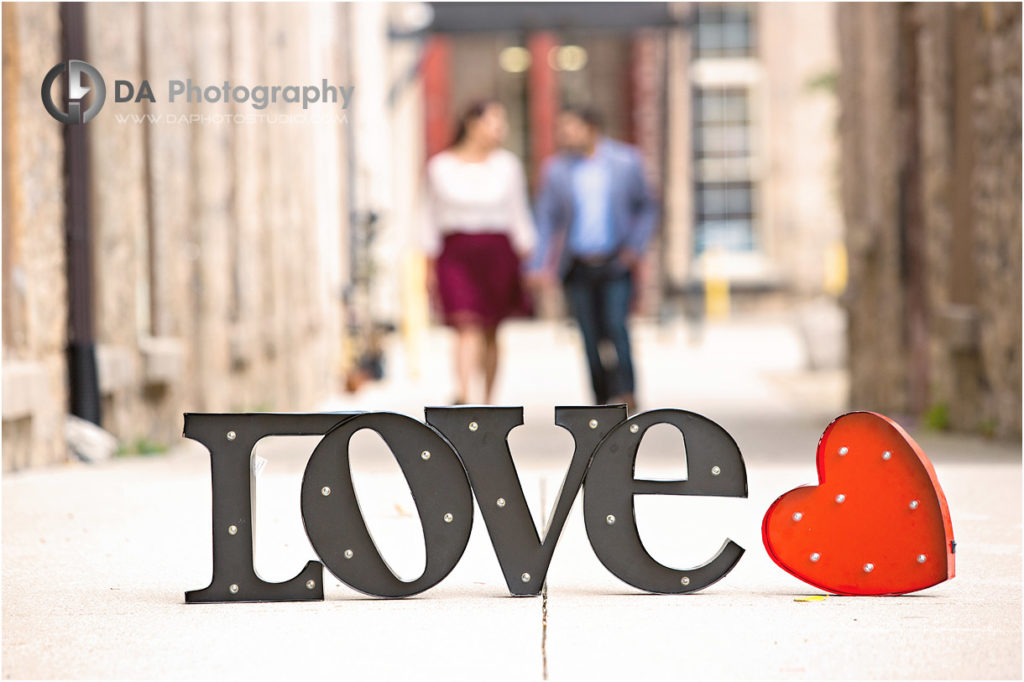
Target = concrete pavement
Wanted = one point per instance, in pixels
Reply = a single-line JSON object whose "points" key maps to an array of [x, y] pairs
{"points": [[96, 559]]}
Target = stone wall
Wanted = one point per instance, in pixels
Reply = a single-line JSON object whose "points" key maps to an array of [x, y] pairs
{"points": [[931, 168], [216, 244]]}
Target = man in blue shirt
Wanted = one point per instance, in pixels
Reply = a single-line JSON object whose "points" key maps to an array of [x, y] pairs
{"points": [[595, 215]]}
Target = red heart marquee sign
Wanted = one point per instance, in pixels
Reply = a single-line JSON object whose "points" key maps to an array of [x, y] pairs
{"points": [[876, 523]]}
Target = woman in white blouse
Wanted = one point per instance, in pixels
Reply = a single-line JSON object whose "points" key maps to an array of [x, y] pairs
{"points": [[477, 230]]}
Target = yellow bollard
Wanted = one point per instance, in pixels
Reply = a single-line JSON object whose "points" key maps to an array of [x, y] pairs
{"points": [[716, 286], [836, 269], [415, 310]]}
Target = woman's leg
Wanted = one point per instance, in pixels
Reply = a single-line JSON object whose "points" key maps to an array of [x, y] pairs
{"points": [[468, 347], [490, 362]]}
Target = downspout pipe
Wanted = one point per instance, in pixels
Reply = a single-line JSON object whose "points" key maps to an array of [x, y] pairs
{"points": [[83, 376]]}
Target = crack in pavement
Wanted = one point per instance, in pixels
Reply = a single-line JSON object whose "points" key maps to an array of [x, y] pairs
{"points": [[544, 588]]}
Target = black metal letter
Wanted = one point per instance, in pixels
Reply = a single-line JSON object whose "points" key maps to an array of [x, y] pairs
{"points": [[336, 527], [715, 467], [480, 436], [230, 439]]}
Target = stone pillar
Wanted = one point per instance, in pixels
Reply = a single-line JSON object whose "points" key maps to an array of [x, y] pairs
{"points": [[996, 122], [870, 125], [34, 279], [213, 217], [118, 196], [931, 134], [797, 146], [169, 367], [679, 210]]}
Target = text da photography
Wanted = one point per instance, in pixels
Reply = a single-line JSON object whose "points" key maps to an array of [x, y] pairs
{"points": [[258, 96]]}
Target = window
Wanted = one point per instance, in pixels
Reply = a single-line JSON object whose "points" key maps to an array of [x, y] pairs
{"points": [[721, 123], [724, 30], [725, 191], [725, 216]]}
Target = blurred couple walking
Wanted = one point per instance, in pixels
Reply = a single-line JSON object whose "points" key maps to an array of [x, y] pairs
{"points": [[593, 219]]}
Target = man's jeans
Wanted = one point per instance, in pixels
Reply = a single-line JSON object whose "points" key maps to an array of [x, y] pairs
{"points": [[599, 296]]}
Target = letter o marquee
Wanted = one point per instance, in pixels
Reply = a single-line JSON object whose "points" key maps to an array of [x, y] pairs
{"points": [[336, 527]]}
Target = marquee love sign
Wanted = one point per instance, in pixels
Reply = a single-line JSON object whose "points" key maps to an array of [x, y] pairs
{"points": [[462, 452]]}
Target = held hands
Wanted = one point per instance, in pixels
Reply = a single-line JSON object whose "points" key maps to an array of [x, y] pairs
{"points": [[539, 280], [536, 280], [629, 258]]}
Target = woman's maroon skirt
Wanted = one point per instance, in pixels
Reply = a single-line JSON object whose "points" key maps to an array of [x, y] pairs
{"points": [[478, 279]]}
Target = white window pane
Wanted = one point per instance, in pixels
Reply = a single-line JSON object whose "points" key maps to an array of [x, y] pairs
{"points": [[713, 202], [734, 108], [728, 235], [735, 12], [711, 107], [709, 37], [712, 141], [738, 201], [735, 37]]}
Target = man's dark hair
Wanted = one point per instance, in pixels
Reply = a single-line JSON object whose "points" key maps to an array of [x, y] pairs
{"points": [[589, 115]]}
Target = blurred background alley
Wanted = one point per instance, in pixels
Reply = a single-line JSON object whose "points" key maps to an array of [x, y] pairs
{"points": [[850, 173]]}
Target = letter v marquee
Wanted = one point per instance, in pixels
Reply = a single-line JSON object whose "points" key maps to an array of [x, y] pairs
{"points": [[480, 436]]}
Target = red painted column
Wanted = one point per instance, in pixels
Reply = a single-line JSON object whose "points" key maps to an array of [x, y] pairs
{"points": [[647, 80], [543, 98], [437, 94]]}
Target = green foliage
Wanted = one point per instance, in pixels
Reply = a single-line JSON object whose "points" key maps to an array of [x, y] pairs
{"points": [[987, 427], [937, 417], [826, 81], [141, 446]]}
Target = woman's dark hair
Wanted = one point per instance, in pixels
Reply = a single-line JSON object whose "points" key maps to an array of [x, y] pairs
{"points": [[471, 113]]}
